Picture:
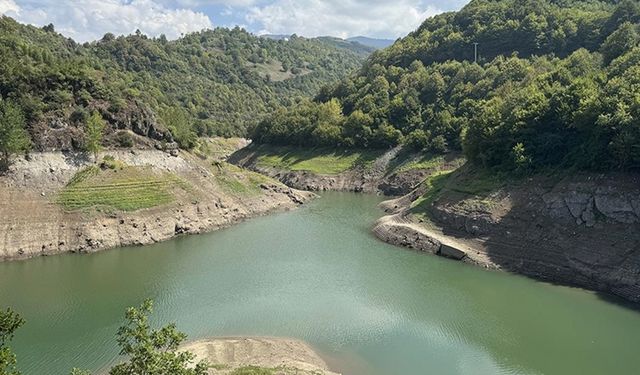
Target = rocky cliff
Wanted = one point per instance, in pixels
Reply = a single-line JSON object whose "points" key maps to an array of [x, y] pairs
{"points": [[581, 230]]}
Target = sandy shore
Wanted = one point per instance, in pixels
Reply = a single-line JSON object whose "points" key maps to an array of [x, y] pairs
{"points": [[283, 356]]}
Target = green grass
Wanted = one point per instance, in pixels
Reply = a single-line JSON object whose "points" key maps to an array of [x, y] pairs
{"points": [[435, 185], [238, 181], [252, 370], [408, 160], [477, 182], [318, 161], [425, 162], [126, 189], [470, 188], [273, 69], [216, 147]]}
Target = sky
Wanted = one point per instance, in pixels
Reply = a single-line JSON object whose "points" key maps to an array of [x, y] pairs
{"points": [[87, 20]]}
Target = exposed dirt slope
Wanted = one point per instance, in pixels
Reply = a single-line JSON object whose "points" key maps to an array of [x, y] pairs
{"points": [[393, 173], [581, 230], [209, 194]]}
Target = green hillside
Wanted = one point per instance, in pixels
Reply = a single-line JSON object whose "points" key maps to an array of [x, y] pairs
{"points": [[216, 82], [556, 84]]}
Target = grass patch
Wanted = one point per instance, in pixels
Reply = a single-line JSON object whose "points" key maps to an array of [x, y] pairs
{"points": [[273, 69], [469, 187], [423, 162], [435, 185], [318, 161], [238, 181], [408, 160], [474, 182], [125, 188], [253, 370], [216, 148]]}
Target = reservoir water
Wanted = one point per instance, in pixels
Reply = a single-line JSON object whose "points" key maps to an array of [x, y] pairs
{"points": [[317, 274]]}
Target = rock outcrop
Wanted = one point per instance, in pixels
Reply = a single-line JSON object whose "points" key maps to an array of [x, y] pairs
{"points": [[63, 132], [582, 231]]}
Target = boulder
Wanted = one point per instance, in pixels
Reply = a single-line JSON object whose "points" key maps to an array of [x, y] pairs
{"points": [[451, 252]]}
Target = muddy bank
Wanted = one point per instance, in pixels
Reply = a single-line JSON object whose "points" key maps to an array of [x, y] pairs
{"points": [[33, 223], [581, 230], [282, 356], [384, 175]]}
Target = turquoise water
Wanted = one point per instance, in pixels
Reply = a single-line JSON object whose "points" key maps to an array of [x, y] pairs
{"points": [[317, 274]]}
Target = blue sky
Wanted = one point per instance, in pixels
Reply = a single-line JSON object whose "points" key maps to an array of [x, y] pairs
{"points": [[86, 20]]}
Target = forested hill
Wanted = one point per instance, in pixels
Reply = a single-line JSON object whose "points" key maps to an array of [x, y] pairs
{"points": [[215, 82], [556, 84]]}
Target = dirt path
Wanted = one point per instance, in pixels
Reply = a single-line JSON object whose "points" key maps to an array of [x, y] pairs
{"points": [[400, 229]]}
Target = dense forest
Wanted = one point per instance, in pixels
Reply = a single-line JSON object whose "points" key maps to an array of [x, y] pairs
{"points": [[556, 83], [214, 82]]}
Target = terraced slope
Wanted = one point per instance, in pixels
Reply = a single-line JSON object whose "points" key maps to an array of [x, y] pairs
{"points": [[126, 188]]}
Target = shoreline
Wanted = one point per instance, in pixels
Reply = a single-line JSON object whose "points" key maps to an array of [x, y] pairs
{"points": [[286, 355], [524, 230], [33, 224]]}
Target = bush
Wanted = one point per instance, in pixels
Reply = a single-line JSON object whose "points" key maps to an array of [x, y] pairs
{"points": [[124, 139]]}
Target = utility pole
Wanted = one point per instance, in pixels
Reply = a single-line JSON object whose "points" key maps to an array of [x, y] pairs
{"points": [[475, 52]]}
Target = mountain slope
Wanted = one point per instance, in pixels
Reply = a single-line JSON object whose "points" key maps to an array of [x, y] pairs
{"points": [[215, 82], [371, 42], [555, 85]]}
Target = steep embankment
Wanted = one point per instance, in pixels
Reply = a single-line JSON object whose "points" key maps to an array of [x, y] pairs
{"points": [[260, 355], [55, 202], [577, 230], [392, 172]]}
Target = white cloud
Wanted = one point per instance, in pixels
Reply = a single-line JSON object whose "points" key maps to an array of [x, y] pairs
{"points": [[8, 6], [86, 20], [342, 18]]}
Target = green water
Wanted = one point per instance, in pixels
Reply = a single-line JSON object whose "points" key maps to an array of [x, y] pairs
{"points": [[318, 275]]}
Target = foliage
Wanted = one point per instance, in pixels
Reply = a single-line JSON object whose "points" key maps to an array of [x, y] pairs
{"points": [[95, 133], [150, 351], [556, 85], [13, 137], [9, 323], [177, 121], [218, 79]]}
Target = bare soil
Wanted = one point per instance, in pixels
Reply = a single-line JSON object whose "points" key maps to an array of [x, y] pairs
{"points": [[283, 356]]}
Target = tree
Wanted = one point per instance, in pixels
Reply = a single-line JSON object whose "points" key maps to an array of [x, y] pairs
{"points": [[95, 132], [177, 120], [153, 352], [621, 41], [49, 28], [9, 323], [13, 136]]}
